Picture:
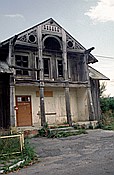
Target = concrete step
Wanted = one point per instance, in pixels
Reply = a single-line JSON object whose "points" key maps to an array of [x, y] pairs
{"points": [[65, 129]]}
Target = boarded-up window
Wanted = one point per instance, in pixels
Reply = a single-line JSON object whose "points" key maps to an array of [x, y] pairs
{"points": [[46, 93]]}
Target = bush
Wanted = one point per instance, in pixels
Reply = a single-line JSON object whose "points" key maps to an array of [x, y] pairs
{"points": [[107, 108], [107, 104], [45, 131]]}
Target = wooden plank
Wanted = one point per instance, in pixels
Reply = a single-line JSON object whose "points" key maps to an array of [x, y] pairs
{"points": [[46, 93], [25, 68], [68, 110], [42, 106]]}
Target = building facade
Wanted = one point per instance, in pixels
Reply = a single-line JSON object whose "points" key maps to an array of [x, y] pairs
{"points": [[45, 77]]}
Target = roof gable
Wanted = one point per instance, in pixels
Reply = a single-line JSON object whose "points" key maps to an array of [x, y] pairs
{"points": [[52, 27]]}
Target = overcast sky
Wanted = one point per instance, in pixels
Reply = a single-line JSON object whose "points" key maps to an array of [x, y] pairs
{"points": [[91, 22]]}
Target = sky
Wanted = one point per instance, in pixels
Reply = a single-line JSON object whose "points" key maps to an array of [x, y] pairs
{"points": [[91, 22]]}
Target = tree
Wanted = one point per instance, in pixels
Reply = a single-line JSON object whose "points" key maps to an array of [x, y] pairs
{"points": [[102, 89]]}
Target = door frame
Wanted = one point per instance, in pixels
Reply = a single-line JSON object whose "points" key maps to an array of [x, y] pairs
{"points": [[23, 102]]}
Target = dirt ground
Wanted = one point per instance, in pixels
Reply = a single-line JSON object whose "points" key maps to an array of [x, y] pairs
{"points": [[86, 154]]}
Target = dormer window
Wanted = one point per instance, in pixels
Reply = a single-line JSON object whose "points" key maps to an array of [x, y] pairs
{"points": [[22, 62]]}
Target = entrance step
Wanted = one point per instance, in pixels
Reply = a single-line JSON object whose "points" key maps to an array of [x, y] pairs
{"points": [[65, 129]]}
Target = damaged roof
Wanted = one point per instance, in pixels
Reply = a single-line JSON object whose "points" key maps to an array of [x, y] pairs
{"points": [[94, 74], [91, 59], [4, 67]]}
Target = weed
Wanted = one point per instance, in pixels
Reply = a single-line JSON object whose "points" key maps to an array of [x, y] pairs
{"points": [[27, 154], [45, 131]]}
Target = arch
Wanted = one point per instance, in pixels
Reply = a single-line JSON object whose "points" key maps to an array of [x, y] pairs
{"points": [[51, 42]]}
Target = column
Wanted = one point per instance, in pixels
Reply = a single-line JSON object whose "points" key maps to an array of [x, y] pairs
{"points": [[68, 110], [42, 103], [67, 95], [12, 96], [91, 111]]}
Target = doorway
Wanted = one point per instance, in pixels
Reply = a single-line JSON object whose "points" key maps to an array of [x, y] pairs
{"points": [[24, 111]]}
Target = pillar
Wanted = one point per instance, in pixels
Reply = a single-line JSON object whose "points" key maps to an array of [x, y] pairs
{"points": [[12, 96], [65, 68], [68, 110], [42, 103]]}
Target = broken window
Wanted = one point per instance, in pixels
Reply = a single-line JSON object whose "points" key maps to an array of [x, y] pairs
{"points": [[60, 68], [22, 62], [52, 44], [46, 67]]}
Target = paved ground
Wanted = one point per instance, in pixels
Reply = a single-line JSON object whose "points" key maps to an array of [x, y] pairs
{"points": [[90, 154]]}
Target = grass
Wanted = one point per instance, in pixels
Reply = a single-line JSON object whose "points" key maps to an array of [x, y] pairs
{"points": [[9, 145], [107, 121], [27, 154], [59, 134], [46, 132]]}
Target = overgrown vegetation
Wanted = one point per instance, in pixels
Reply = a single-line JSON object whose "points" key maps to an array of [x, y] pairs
{"points": [[27, 155], [107, 110], [6, 146], [46, 132]]}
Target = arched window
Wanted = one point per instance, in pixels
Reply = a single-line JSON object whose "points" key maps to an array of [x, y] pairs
{"points": [[51, 43]]}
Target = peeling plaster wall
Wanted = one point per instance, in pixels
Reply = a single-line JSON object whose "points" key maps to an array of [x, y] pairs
{"points": [[73, 104], [82, 104], [55, 107]]}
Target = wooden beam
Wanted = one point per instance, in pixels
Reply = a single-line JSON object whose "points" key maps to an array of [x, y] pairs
{"points": [[91, 112], [68, 110], [24, 68], [42, 106], [12, 94]]}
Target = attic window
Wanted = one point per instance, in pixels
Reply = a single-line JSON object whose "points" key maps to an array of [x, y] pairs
{"points": [[32, 38], [70, 44], [52, 44], [22, 62]]}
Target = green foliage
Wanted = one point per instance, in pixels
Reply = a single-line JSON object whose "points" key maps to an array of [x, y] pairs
{"points": [[107, 104], [102, 88], [90, 126], [45, 131], [107, 118], [9, 145], [28, 151], [28, 154]]}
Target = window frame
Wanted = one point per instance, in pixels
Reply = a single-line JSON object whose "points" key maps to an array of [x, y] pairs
{"points": [[47, 75], [37, 66], [59, 75], [28, 62]]}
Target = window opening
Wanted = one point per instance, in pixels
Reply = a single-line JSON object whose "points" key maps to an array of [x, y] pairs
{"points": [[46, 67], [37, 67], [52, 44], [60, 68], [23, 99], [21, 61]]}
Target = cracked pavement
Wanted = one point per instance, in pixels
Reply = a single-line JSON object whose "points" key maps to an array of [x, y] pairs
{"points": [[88, 154]]}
